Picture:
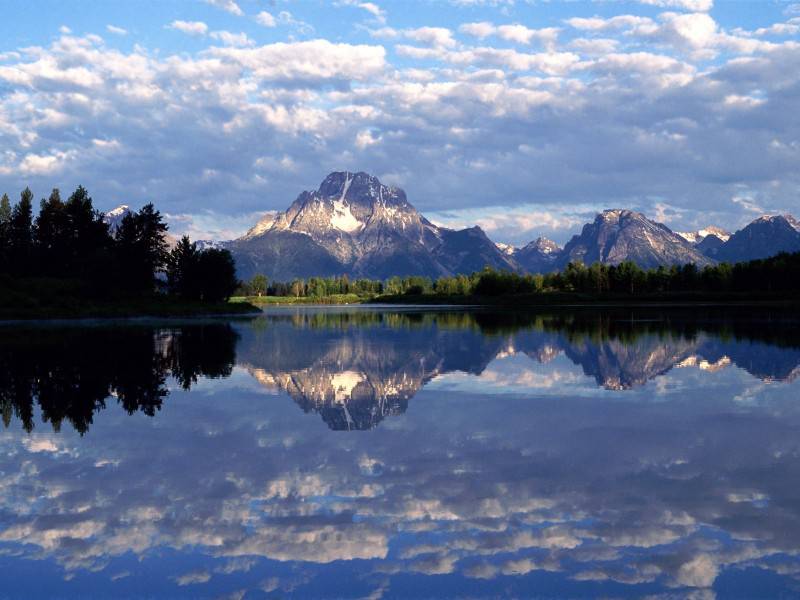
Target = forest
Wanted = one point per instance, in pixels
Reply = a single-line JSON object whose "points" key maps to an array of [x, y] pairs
{"points": [[776, 276], [68, 253]]}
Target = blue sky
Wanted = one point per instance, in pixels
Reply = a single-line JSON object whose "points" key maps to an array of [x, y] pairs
{"points": [[523, 117]]}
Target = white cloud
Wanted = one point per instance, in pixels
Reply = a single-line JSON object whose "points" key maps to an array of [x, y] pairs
{"points": [[700, 572], [617, 22], [594, 45], [438, 37], [438, 113], [524, 35], [519, 34], [266, 19], [227, 5], [482, 29], [193, 577], [373, 9], [690, 5], [232, 39], [790, 27], [190, 27], [315, 59], [116, 30], [697, 30], [46, 164], [286, 18]]}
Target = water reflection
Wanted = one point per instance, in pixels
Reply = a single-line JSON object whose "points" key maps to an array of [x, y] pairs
{"points": [[72, 372], [557, 455], [356, 368]]}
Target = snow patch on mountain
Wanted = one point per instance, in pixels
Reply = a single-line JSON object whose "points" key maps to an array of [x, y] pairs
{"points": [[262, 226], [113, 218], [506, 249], [695, 237], [343, 217], [344, 383]]}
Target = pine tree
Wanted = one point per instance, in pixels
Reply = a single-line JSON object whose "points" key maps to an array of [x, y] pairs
{"points": [[5, 209], [182, 267], [141, 249], [21, 234]]}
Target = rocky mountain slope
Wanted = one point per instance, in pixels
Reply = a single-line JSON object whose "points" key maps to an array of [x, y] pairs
{"points": [[539, 256], [618, 235], [357, 226], [764, 237], [354, 225]]}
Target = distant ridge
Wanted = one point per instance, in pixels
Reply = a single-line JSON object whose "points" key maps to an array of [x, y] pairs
{"points": [[354, 225]]}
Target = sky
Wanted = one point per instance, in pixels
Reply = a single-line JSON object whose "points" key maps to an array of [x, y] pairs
{"points": [[525, 117]]}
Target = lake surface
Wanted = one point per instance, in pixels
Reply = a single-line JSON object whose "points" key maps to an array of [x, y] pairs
{"points": [[404, 453]]}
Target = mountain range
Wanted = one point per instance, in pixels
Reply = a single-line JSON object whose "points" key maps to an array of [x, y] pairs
{"points": [[354, 225]]}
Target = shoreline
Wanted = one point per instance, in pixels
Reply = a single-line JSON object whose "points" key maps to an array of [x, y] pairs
{"points": [[125, 312], [558, 300]]}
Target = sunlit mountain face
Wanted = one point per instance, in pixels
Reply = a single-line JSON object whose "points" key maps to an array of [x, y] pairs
{"points": [[593, 453]]}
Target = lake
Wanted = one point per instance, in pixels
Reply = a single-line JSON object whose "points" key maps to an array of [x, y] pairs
{"points": [[401, 452]]}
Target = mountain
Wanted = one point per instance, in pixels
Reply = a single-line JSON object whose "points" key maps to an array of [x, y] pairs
{"points": [[764, 237], [710, 245], [619, 235], [695, 237], [114, 217], [353, 224], [539, 256], [506, 249]]}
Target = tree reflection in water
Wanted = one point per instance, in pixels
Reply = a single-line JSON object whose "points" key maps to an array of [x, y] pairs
{"points": [[71, 373]]}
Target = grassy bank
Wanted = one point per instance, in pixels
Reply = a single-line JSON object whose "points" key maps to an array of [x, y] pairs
{"points": [[277, 300], [553, 299], [54, 299]]}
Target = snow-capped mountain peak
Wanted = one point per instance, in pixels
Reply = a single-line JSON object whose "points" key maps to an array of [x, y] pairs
{"points": [[119, 211], [114, 217], [695, 237], [359, 226], [506, 249]]}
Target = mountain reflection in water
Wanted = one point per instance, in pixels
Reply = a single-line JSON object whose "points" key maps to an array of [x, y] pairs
{"points": [[586, 453]]}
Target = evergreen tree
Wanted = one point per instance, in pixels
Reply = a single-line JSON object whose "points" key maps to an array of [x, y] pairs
{"points": [[20, 235], [5, 209], [141, 249], [5, 219], [51, 236], [216, 272], [182, 269]]}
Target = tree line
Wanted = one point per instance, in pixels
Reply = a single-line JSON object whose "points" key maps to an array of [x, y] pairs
{"points": [[779, 273], [313, 287], [70, 240]]}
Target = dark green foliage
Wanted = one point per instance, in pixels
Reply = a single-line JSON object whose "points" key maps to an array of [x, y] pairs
{"points": [[20, 234], [780, 273], [71, 239], [182, 276], [208, 275], [258, 285], [141, 249], [320, 287], [216, 272], [69, 247], [5, 209]]}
